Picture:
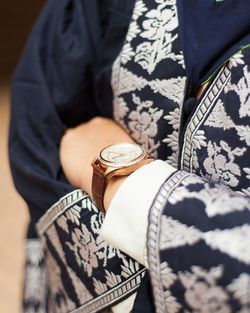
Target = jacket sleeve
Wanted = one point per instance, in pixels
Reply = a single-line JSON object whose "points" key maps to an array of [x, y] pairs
{"points": [[193, 235], [51, 90], [198, 244], [192, 230]]}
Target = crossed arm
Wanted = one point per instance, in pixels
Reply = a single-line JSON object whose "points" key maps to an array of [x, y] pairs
{"points": [[81, 144]]}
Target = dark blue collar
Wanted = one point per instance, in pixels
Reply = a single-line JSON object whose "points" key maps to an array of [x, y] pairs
{"points": [[211, 31]]}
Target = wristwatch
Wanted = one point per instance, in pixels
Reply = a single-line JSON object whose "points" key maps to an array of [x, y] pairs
{"points": [[115, 160]]}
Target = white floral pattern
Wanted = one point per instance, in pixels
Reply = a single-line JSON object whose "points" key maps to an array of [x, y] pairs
{"points": [[201, 291], [170, 88], [82, 292], [203, 295], [219, 118], [236, 59], [222, 126], [143, 124], [193, 239], [74, 238], [215, 199], [242, 90], [85, 249], [99, 286], [129, 267], [171, 303], [240, 287], [74, 214], [36, 278], [156, 28], [234, 242], [167, 275], [220, 164], [139, 107], [64, 304], [175, 234]]}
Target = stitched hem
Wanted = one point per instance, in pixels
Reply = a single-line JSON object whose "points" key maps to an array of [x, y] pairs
{"points": [[200, 115], [153, 237], [113, 296], [59, 208]]}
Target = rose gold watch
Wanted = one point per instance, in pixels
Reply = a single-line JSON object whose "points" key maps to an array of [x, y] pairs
{"points": [[115, 160]]}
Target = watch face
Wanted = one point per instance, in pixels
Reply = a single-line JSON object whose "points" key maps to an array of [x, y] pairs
{"points": [[123, 154]]}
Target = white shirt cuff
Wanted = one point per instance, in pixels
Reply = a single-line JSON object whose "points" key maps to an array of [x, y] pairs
{"points": [[125, 306], [125, 224]]}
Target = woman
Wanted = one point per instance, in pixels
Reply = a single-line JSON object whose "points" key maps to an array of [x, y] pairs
{"points": [[173, 78]]}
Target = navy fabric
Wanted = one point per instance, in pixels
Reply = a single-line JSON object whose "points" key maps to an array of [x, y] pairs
{"points": [[68, 58], [144, 298], [211, 31], [62, 79]]}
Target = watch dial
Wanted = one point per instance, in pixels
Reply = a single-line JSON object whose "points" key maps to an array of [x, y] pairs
{"points": [[121, 153]]}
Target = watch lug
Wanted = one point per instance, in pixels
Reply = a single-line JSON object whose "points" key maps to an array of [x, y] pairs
{"points": [[94, 162]]}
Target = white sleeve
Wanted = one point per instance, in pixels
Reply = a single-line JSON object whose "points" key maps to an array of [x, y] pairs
{"points": [[126, 221], [125, 306]]}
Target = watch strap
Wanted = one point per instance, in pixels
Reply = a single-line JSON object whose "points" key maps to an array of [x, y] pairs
{"points": [[99, 182]]}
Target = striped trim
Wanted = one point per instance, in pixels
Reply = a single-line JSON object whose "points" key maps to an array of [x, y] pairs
{"points": [[200, 115], [115, 294], [153, 237], [109, 298], [58, 209]]}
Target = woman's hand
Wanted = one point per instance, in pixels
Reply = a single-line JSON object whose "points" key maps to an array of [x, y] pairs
{"points": [[80, 145]]}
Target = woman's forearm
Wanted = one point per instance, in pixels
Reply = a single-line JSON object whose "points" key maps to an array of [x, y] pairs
{"points": [[80, 145]]}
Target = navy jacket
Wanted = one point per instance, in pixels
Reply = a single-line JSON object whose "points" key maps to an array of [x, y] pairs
{"points": [[75, 66]]}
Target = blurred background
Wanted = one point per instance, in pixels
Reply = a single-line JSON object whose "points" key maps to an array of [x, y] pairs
{"points": [[16, 20]]}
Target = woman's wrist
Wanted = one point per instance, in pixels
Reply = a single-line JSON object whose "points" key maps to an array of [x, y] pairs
{"points": [[111, 189]]}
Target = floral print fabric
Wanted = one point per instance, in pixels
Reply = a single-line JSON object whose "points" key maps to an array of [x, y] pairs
{"points": [[199, 228], [145, 97], [84, 272], [199, 257]]}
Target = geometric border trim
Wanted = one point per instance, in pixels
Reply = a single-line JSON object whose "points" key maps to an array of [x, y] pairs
{"points": [[59, 208], [153, 237], [113, 295], [201, 113], [129, 286]]}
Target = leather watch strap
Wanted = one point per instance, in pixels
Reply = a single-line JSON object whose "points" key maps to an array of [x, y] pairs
{"points": [[102, 172], [98, 187]]}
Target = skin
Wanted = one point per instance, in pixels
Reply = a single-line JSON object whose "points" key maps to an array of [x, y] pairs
{"points": [[81, 144]]}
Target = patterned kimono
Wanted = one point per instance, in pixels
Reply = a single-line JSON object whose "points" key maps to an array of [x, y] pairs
{"points": [[124, 60]]}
